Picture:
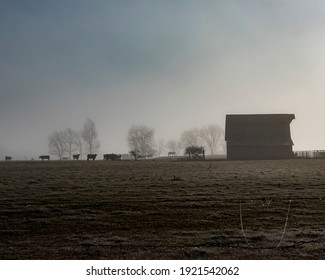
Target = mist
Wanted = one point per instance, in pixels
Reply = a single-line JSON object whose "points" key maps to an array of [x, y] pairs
{"points": [[165, 64]]}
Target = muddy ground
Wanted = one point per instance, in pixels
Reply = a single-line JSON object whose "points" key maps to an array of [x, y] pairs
{"points": [[162, 209]]}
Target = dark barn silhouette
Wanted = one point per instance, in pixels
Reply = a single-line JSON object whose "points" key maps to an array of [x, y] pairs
{"points": [[263, 136]]}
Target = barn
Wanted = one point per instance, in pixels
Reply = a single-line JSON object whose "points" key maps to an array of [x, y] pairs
{"points": [[260, 136]]}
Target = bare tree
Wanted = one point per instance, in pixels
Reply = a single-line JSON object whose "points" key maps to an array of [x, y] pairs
{"points": [[223, 143], [191, 137], [89, 135], [174, 146], [211, 136], [141, 140], [72, 141], [79, 144], [57, 142], [161, 147]]}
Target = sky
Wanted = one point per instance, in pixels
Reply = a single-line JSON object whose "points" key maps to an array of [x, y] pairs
{"points": [[170, 65]]}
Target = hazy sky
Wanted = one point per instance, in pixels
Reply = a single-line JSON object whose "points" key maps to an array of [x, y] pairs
{"points": [[171, 65]]}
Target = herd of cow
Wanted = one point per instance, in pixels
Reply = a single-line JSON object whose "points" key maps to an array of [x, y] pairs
{"points": [[77, 156]]}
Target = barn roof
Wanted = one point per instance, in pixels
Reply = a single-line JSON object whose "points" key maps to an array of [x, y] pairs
{"points": [[259, 129]]}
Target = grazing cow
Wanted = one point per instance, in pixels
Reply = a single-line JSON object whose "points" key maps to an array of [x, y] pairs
{"points": [[76, 157], [112, 157], [44, 157], [8, 158], [91, 156]]}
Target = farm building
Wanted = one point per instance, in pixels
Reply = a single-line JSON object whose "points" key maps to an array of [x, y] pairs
{"points": [[262, 136]]}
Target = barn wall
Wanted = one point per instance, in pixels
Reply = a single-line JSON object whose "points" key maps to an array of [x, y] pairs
{"points": [[259, 133], [244, 152]]}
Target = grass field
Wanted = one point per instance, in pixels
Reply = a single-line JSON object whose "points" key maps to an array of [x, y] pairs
{"points": [[160, 209]]}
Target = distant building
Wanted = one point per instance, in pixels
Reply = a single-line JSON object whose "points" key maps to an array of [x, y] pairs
{"points": [[264, 136]]}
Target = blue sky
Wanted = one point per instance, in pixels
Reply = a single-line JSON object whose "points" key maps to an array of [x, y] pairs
{"points": [[171, 65]]}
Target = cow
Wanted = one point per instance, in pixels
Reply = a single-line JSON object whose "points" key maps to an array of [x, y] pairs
{"points": [[76, 157], [91, 156], [8, 158], [44, 157], [112, 157]]}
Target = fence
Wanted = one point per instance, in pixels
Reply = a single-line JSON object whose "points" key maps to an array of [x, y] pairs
{"points": [[310, 154]]}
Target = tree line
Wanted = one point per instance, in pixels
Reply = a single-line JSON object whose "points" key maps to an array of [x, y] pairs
{"points": [[140, 139], [67, 142]]}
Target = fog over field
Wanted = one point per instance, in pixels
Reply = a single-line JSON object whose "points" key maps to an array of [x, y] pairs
{"points": [[170, 65]]}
